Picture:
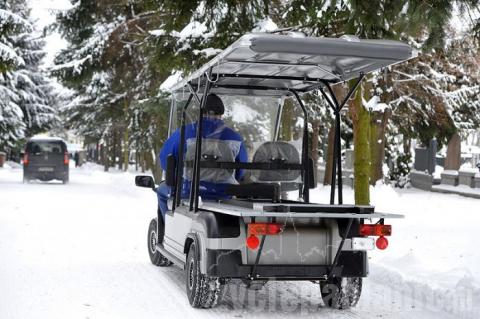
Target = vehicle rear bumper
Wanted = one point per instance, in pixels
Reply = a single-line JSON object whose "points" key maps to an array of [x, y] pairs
{"points": [[228, 264], [32, 173]]}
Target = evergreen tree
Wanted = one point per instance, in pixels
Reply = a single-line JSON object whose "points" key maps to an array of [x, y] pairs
{"points": [[26, 94]]}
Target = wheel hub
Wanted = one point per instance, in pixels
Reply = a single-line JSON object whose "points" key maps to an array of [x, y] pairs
{"points": [[153, 242], [191, 270]]}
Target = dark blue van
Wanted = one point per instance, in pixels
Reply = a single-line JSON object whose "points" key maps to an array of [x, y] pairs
{"points": [[46, 159]]}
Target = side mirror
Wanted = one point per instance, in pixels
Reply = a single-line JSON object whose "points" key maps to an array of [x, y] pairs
{"points": [[145, 181], [170, 172]]}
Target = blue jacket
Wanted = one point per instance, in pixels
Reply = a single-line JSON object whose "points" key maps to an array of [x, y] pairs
{"points": [[213, 129]]}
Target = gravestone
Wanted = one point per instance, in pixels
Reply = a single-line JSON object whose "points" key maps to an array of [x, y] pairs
{"points": [[467, 177], [449, 178], [425, 158], [349, 159], [452, 161]]}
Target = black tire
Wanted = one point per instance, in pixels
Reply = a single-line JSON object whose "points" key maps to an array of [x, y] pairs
{"points": [[65, 180], [155, 256], [341, 293], [202, 291]]}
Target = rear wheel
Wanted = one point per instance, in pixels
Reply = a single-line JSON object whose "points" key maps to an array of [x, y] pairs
{"points": [[202, 291], [341, 293], [155, 256]]}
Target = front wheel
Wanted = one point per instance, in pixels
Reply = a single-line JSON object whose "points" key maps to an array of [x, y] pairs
{"points": [[155, 256], [341, 293], [202, 291]]}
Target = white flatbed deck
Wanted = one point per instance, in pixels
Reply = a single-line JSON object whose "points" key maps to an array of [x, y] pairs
{"points": [[235, 210]]}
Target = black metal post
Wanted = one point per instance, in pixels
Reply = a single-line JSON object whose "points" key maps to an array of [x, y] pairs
{"points": [[192, 91], [338, 144], [194, 187], [181, 149], [305, 161], [340, 247], [337, 153], [337, 150], [257, 259], [333, 105]]}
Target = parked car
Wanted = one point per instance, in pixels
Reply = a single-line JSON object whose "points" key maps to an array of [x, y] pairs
{"points": [[45, 159]]}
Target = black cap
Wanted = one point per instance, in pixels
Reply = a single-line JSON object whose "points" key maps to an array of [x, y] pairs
{"points": [[214, 105]]}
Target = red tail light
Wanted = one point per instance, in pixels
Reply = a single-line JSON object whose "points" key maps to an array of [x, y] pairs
{"points": [[375, 230], [66, 160], [382, 243], [265, 229], [261, 229], [25, 159], [253, 242]]}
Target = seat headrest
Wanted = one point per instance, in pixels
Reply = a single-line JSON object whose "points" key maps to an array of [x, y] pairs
{"points": [[280, 152]]}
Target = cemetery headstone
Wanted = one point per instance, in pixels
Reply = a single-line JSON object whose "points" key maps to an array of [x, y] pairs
{"points": [[452, 161]]}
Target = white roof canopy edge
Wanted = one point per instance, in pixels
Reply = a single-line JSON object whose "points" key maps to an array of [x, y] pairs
{"points": [[296, 63]]}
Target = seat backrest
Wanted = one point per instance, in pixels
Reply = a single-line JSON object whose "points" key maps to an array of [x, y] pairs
{"points": [[217, 151], [280, 152]]}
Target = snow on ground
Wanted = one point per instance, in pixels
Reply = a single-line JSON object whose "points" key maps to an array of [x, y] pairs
{"points": [[79, 251]]}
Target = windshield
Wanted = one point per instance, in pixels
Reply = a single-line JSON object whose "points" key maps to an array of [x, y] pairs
{"points": [[253, 117], [46, 147], [270, 130]]}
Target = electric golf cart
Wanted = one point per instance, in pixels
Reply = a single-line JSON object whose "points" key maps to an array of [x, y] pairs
{"points": [[269, 229]]}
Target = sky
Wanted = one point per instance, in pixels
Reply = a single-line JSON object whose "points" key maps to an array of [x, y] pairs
{"points": [[43, 12]]}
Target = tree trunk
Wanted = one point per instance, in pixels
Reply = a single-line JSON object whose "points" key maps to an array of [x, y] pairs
{"points": [[119, 154], [125, 139], [361, 135], [329, 160], [452, 161], [286, 132], [105, 159], [142, 161], [378, 132], [113, 149], [157, 171]]}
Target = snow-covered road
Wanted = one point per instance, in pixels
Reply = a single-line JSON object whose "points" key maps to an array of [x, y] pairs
{"points": [[79, 251]]}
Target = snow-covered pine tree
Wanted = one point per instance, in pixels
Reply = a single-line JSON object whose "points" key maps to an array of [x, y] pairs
{"points": [[108, 66], [11, 116], [26, 94]]}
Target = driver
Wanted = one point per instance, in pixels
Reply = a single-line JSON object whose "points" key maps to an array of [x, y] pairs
{"points": [[214, 128]]}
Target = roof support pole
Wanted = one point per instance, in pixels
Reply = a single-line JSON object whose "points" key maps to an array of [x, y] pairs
{"points": [[337, 161], [194, 188], [333, 104], [305, 155], [192, 91], [179, 172]]}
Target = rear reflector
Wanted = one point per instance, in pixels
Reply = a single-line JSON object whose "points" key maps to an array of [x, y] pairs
{"points": [[375, 230], [382, 243], [253, 242], [264, 229]]}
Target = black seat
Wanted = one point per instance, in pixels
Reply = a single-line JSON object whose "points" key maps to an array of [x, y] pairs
{"points": [[213, 150], [277, 152], [269, 192]]}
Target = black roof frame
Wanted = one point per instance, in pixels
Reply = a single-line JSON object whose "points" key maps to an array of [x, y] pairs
{"points": [[304, 166]]}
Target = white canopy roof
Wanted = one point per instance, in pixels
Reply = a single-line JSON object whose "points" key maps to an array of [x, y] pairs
{"points": [[270, 64]]}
